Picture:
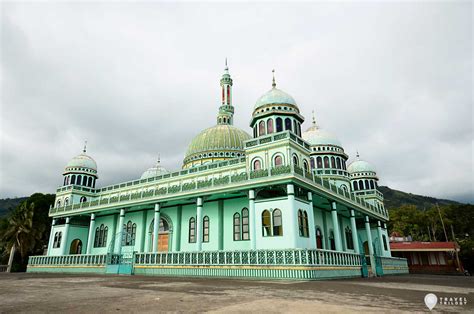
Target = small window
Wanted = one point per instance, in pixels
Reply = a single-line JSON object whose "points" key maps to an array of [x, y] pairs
{"points": [[261, 128], [338, 163], [278, 161], [83, 199], [319, 162], [245, 224], [295, 160], [237, 233], [279, 124], [385, 247], [305, 166], [192, 230], [326, 162], [58, 203], [205, 229], [73, 179], [354, 184], [270, 126], [287, 124], [266, 224], [257, 165], [277, 223]]}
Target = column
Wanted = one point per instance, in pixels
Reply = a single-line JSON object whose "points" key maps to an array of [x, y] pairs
{"points": [[119, 234], [64, 237], [335, 226], [379, 233], [252, 221], [311, 224], [220, 221], [51, 236], [90, 239], [199, 224], [369, 244], [177, 230], [388, 244], [355, 239], [292, 216], [156, 228], [144, 231]]}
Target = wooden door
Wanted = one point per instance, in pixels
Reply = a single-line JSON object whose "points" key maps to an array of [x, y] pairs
{"points": [[163, 242]]}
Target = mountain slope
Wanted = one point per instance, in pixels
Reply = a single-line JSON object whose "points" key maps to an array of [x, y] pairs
{"points": [[7, 204], [395, 198]]}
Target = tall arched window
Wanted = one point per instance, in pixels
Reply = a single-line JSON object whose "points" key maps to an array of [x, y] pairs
{"points": [[83, 199], [367, 184], [266, 224], [326, 162], [277, 223], [257, 165], [361, 184], [333, 163], [237, 232], [269, 126], [384, 238], [305, 224], [344, 165], [79, 180], [66, 201], [319, 239], [73, 179], [372, 186], [192, 230], [295, 127], [319, 162], [89, 182], [261, 128], [338, 163], [299, 129], [245, 224], [305, 166], [332, 242], [354, 184], [129, 233], [55, 243], [255, 131], [288, 124], [295, 160], [349, 240], [312, 162], [279, 124], [64, 180], [278, 161], [58, 203], [205, 229], [300, 222]]}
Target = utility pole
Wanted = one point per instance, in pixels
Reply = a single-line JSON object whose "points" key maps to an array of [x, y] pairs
{"points": [[442, 222], [456, 250]]}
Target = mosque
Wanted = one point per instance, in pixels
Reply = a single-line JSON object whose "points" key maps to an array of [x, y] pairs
{"points": [[280, 203]]}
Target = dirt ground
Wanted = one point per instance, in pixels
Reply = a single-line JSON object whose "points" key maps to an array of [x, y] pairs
{"points": [[94, 293]]}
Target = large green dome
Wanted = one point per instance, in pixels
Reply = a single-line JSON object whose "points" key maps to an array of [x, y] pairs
{"points": [[222, 141]]}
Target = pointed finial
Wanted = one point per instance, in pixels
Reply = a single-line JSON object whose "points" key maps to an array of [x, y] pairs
{"points": [[226, 62], [357, 154], [159, 159], [85, 146], [273, 83]]}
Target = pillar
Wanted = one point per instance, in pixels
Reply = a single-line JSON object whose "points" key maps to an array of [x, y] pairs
{"points": [[355, 239], [252, 220], [177, 230], [199, 224], [64, 237], [119, 235], [90, 239], [290, 188], [51, 236], [379, 233], [143, 231], [311, 224], [156, 228], [335, 226], [369, 244], [220, 225], [388, 244]]}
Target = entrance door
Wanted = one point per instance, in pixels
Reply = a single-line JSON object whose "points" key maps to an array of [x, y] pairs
{"points": [[76, 247], [163, 242]]}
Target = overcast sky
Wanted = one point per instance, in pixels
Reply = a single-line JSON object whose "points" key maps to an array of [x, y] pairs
{"points": [[392, 80]]}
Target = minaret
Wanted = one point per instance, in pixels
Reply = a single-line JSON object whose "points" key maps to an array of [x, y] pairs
{"points": [[226, 110]]}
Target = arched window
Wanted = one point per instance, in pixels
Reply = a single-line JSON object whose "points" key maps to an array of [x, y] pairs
{"points": [[344, 165], [261, 128], [93, 183], [305, 166], [57, 239], [279, 124], [101, 236], [333, 163], [312, 162], [332, 242], [237, 234], [361, 184], [205, 229], [372, 186], [270, 126], [319, 162], [287, 124], [326, 162], [255, 131], [299, 129], [89, 182], [277, 223], [266, 224], [384, 242], [245, 224], [278, 161], [83, 199], [58, 203], [96, 237], [192, 230], [79, 180], [349, 240], [300, 222], [73, 179], [305, 225], [64, 180], [129, 233], [295, 160], [319, 239], [66, 201], [354, 184], [295, 127], [257, 165], [367, 184], [338, 163], [67, 180]]}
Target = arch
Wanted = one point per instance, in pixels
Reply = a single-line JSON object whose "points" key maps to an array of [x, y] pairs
{"points": [[372, 185], [278, 160], [79, 180], [361, 184], [355, 186], [349, 240], [261, 128], [311, 160], [76, 247], [287, 124], [367, 184], [305, 224], [237, 230], [129, 233], [279, 124], [58, 203], [344, 165], [326, 162], [305, 166], [270, 126], [266, 223], [73, 179], [277, 223], [64, 183], [300, 222], [205, 229], [338, 163], [295, 160], [255, 131], [245, 224], [319, 162], [319, 238], [256, 164], [89, 182], [299, 129], [333, 163], [295, 127], [192, 230], [83, 199]]}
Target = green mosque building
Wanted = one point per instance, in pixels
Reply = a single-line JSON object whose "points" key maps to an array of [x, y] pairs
{"points": [[280, 203]]}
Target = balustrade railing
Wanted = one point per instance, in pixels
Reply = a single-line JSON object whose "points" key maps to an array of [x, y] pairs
{"points": [[77, 259]]}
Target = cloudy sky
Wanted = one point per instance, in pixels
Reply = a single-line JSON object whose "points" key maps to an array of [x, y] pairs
{"points": [[392, 80]]}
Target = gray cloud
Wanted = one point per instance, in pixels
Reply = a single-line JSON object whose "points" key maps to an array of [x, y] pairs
{"points": [[392, 80]]}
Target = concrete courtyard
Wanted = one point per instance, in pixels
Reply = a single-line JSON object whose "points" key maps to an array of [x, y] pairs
{"points": [[94, 293]]}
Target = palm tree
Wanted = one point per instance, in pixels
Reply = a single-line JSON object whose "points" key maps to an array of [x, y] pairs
{"points": [[20, 234]]}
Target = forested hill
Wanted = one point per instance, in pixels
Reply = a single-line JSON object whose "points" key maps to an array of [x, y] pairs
{"points": [[7, 204], [395, 199]]}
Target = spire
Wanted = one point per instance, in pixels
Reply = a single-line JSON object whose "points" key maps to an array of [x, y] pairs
{"points": [[85, 146], [158, 160], [226, 110], [273, 83], [357, 154], [226, 67]]}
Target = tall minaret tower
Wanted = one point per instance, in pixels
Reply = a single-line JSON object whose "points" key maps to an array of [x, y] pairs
{"points": [[226, 110]]}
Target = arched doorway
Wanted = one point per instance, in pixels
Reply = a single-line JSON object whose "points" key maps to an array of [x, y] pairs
{"points": [[332, 241], [163, 235], [366, 248], [76, 247], [319, 239]]}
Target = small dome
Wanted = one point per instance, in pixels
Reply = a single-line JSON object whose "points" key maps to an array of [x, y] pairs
{"points": [[359, 165], [315, 136], [156, 170], [275, 96], [82, 161], [223, 138]]}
